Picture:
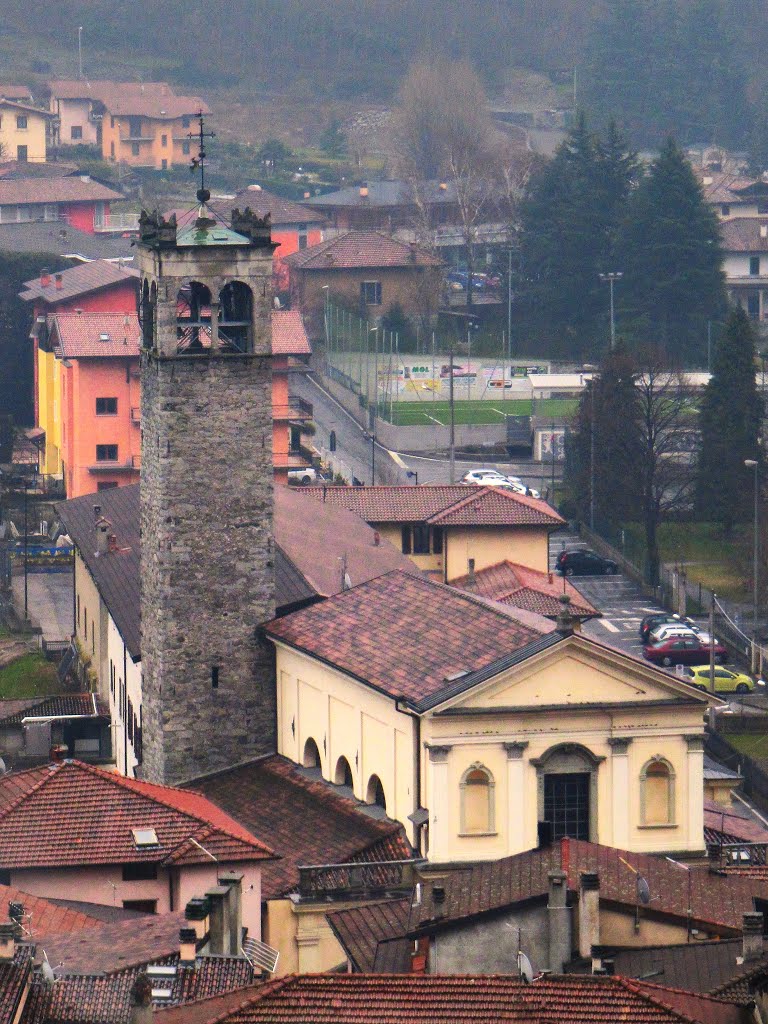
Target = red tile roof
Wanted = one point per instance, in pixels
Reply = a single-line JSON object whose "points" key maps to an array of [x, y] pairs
{"points": [[361, 249], [14, 978], [522, 587], [44, 916], [304, 820], [745, 234], [726, 821], [117, 946], [78, 335], [282, 211], [361, 929], [403, 634], [717, 901], [289, 336], [15, 92], [72, 814], [477, 999], [141, 99], [71, 189], [79, 280], [451, 505]]}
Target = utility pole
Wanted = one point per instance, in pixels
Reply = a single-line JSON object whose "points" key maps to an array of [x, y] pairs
{"points": [[26, 551], [509, 302], [755, 465], [611, 278], [80, 49]]}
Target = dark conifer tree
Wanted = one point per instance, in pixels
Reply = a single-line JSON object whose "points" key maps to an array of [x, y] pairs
{"points": [[730, 426]]}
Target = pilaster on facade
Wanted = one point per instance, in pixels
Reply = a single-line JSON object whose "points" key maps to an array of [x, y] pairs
{"points": [[518, 827], [439, 796], [695, 773], [620, 789]]}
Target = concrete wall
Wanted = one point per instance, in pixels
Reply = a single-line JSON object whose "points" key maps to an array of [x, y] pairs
{"points": [[490, 945], [125, 694]]}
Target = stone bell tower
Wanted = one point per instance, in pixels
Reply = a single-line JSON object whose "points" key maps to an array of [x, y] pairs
{"points": [[207, 578]]}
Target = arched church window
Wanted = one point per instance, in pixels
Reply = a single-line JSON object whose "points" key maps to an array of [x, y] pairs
{"points": [[657, 793], [236, 318], [193, 318], [477, 804]]}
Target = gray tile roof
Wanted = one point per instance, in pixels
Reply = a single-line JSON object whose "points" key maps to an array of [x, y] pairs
{"points": [[59, 239]]}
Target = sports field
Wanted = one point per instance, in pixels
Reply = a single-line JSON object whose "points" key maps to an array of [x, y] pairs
{"points": [[437, 412]]}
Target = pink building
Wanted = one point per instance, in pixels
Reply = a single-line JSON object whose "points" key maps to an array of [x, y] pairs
{"points": [[73, 831]]}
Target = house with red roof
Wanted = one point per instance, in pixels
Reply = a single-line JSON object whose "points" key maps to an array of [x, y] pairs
{"points": [[290, 350], [452, 530], [75, 200], [367, 271], [70, 830], [482, 729]]}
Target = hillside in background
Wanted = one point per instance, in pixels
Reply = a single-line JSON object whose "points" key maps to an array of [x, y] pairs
{"points": [[693, 68]]}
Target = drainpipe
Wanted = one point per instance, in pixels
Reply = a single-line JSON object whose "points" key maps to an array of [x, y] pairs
{"points": [[416, 762]]}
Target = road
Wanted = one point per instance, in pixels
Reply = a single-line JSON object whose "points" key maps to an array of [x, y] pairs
{"points": [[354, 447]]}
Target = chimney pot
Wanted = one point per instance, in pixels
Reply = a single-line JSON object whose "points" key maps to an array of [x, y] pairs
{"points": [[97, 512], [376, 538], [438, 893], [589, 913], [363, 191], [218, 927], [7, 941], [196, 912], [233, 882], [45, 277], [60, 284], [187, 946], [58, 752], [752, 935]]}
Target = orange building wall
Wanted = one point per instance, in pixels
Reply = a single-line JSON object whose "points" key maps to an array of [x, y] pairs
{"points": [[280, 428], [82, 383], [288, 242], [117, 146]]}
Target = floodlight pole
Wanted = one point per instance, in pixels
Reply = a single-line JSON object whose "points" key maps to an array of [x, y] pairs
{"points": [[611, 278]]}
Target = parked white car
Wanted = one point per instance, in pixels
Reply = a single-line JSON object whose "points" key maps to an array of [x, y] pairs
{"points": [[668, 630], [307, 475]]}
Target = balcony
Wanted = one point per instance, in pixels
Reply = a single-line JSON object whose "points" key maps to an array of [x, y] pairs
{"points": [[297, 411], [129, 465], [739, 856], [117, 222], [345, 881], [136, 415]]}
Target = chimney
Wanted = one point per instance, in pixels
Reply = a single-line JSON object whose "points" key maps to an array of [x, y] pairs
{"points": [[58, 752], [97, 513], [589, 913], [470, 572], [233, 881], [564, 624], [218, 925], [102, 536], [196, 912], [187, 947], [141, 1000], [438, 900], [7, 941], [443, 186], [414, 251], [752, 935], [558, 921], [363, 191], [45, 277], [419, 955], [59, 280]]}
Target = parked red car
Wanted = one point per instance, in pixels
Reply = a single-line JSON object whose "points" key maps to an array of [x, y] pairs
{"points": [[683, 650]]}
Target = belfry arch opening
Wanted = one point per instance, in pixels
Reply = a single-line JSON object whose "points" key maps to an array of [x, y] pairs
{"points": [[236, 318], [147, 308], [193, 318], [311, 757]]}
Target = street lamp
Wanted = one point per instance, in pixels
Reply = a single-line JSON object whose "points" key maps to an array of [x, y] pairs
{"points": [[375, 332], [611, 277], [471, 326], [590, 369], [754, 464]]}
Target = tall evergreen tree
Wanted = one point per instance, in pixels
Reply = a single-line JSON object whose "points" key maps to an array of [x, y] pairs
{"points": [[569, 219], [669, 252], [730, 426]]}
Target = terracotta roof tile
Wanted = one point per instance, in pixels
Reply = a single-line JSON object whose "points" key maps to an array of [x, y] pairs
{"points": [[403, 634], [79, 280], [451, 505], [15, 92], [72, 813], [43, 915], [141, 99], [118, 946], [360, 249], [289, 336], [361, 929], [303, 819], [697, 966], [716, 900], [478, 999], [14, 977], [281, 211], [745, 234], [72, 189], [79, 335], [63, 705], [521, 587]]}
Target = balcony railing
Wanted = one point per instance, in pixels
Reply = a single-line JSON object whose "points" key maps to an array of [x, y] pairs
{"points": [[118, 222], [297, 409], [739, 856], [358, 879]]}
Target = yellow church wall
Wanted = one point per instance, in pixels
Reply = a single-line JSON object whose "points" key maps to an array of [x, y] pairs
{"points": [[303, 936], [489, 545], [346, 719]]}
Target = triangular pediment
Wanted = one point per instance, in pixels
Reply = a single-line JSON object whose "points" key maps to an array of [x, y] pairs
{"points": [[577, 672]]}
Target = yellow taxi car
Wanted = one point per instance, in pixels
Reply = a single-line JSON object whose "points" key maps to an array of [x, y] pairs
{"points": [[726, 681]]}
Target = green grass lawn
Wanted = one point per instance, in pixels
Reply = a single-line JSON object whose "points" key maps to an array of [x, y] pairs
{"points": [[752, 744], [29, 676], [428, 411]]}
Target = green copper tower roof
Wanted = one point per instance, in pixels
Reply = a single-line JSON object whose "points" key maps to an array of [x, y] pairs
{"points": [[207, 231]]}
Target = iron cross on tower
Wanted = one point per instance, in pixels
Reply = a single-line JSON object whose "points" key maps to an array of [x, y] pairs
{"points": [[203, 195]]}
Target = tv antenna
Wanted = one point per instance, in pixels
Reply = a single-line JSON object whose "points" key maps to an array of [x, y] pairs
{"points": [[198, 162]]}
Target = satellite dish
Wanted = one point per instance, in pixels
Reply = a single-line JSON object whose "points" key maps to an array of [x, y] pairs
{"points": [[525, 967], [643, 891], [3, 768], [48, 976]]}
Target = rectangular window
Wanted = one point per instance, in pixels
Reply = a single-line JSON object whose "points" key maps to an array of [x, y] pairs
{"points": [[22, 154], [139, 872], [106, 406], [99, 215], [145, 906], [135, 150], [134, 127], [163, 140], [78, 611], [725, 210], [302, 240], [164, 164], [754, 266], [437, 540], [185, 122], [112, 122], [76, 132], [762, 207], [106, 453], [51, 211], [21, 121], [185, 148], [106, 485], [753, 307], [405, 534], [370, 293], [420, 539], [112, 150]]}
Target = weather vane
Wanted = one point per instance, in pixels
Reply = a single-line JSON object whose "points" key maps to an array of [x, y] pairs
{"points": [[203, 195]]}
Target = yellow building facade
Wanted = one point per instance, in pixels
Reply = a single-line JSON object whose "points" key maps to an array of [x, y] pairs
{"points": [[49, 411], [480, 766], [23, 132]]}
